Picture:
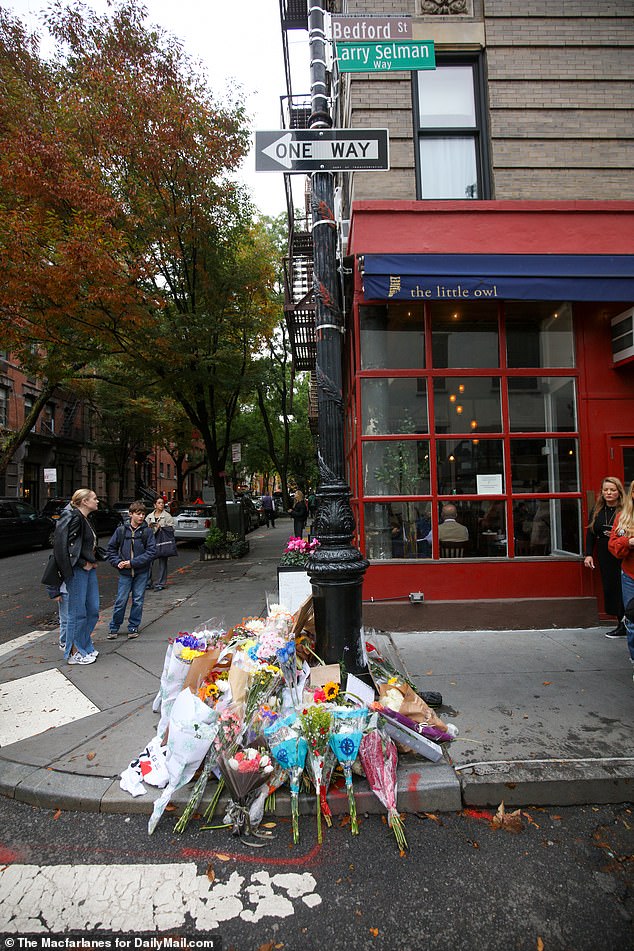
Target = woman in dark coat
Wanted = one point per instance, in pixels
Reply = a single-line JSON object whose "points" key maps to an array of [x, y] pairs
{"points": [[606, 508]]}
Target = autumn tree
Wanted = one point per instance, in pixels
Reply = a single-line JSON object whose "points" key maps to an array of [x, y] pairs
{"points": [[122, 233]]}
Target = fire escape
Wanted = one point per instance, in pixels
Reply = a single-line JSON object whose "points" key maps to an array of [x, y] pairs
{"points": [[299, 298]]}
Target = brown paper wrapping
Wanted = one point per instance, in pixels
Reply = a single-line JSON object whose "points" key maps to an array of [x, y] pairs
{"points": [[200, 668], [412, 705]]}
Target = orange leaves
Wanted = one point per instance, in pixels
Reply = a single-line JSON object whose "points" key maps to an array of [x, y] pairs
{"points": [[510, 822]]}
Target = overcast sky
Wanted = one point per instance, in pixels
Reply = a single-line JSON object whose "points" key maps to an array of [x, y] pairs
{"points": [[240, 40]]}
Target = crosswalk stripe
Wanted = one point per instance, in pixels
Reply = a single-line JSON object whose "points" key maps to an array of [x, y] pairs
{"points": [[19, 642]]}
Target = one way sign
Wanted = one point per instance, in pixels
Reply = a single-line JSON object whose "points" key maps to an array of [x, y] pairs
{"points": [[314, 150]]}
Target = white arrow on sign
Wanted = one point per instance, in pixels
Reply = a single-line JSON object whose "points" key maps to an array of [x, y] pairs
{"points": [[286, 150]]}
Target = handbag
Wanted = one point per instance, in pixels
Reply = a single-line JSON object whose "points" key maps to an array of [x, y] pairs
{"points": [[101, 553], [165, 543], [52, 575]]}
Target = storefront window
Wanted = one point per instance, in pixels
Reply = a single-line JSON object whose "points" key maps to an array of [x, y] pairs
{"points": [[539, 334], [396, 467], [392, 337], [464, 335], [542, 404], [397, 530], [467, 405], [464, 464], [547, 526], [393, 405], [544, 465], [483, 521]]}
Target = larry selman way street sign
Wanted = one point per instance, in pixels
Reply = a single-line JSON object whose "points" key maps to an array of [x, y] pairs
{"points": [[314, 150]]}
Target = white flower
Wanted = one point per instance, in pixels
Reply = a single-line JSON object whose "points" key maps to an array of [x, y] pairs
{"points": [[233, 764]]}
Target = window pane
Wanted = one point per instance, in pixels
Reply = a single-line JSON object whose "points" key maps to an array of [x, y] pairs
{"points": [[547, 526], [446, 98], [397, 530], [542, 404], [392, 337], [460, 461], [539, 334], [544, 465], [464, 336], [448, 167], [467, 405], [394, 406], [396, 467], [483, 523]]}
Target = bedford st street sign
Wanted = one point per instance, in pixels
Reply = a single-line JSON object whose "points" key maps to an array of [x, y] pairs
{"points": [[314, 150]]}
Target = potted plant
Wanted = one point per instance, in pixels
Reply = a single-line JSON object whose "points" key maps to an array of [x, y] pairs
{"points": [[292, 576]]}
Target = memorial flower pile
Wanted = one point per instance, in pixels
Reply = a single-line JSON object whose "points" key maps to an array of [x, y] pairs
{"points": [[254, 707]]}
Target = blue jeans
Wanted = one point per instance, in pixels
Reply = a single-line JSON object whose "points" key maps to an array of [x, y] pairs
{"points": [[136, 586], [627, 585], [62, 608], [83, 611]]}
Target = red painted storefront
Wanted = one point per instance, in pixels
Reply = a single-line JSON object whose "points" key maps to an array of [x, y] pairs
{"points": [[603, 434]]}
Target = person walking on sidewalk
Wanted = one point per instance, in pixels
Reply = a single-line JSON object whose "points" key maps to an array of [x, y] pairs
{"points": [[268, 507], [621, 544], [606, 508], [159, 518], [131, 551], [299, 514], [74, 551]]}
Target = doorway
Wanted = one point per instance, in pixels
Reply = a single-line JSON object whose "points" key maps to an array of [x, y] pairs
{"points": [[621, 455]]}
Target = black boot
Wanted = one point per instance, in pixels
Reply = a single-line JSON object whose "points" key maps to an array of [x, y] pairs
{"points": [[619, 631]]}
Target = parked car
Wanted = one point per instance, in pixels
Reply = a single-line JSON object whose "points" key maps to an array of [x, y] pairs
{"points": [[253, 517], [21, 527], [193, 522], [104, 521], [122, 508]]}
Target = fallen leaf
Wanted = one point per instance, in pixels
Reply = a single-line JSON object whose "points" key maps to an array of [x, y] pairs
{"points": [[222, 857], [57, 814], [374, 931], [430, 815], [269, 825], [358, 913], [476, 845], [540, 944], [170, 807], [90, 755], [345, 821], [429, 672], [530, 819], [211, 875], [266, 947], [511, 821], [547, 683]]}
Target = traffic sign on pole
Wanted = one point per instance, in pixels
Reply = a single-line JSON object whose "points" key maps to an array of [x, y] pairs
{"points": [[395, 56], [315, 150]]}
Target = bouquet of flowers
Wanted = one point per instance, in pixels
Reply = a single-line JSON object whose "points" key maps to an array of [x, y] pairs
{"points": [[192, 727], [287, 662], [178, 658], [345, 739], [379, 759], [230, 726], [289, 748], [316, 724], [297, 552], [243, 772]]}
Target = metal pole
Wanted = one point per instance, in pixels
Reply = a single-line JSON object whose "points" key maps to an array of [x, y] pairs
{"points": [[337, 568]]}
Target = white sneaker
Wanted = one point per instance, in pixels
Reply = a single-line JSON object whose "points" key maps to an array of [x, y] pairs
{"points": [[94, 654], [80, 659]]}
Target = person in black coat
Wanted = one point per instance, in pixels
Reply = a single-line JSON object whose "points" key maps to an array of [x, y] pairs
{"points": [[299, 514], [607, 507]]}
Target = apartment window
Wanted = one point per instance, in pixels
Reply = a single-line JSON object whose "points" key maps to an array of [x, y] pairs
{"points": [[450, 130], [4, 405]]}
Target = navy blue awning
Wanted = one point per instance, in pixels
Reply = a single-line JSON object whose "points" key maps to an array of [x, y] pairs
{"points": [[574, 277]]}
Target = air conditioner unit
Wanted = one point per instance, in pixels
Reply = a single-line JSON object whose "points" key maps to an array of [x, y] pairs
{"points": [[623, 336]]}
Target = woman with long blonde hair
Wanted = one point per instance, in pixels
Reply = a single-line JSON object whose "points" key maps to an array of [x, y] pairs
{"points": [[606, 508], [621, 545]]}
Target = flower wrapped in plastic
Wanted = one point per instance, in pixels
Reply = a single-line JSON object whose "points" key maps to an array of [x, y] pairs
{"points": [[345, 738], [178, 658], [263, 681], [230, 727], [289, 748], [266, 794], [287, 662], [316, 724], [245, 771], [379, 759], [192, 727]]}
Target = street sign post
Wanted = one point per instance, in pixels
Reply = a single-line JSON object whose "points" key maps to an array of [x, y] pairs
{"points": [[370, 28], [385, 57], [319, 150]]}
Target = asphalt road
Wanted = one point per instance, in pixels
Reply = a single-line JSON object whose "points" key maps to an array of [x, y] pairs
{"points": [[563, 882], [24, 603]]}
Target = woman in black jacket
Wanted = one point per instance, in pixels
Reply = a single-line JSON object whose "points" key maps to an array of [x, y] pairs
{"points": [[74, 548], [606, 509], [299, 514]]}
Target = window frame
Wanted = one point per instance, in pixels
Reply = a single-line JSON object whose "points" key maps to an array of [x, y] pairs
{"points": [[480, 134]]}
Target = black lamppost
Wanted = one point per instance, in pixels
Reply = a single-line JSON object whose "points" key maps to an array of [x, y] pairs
{"points": [[337, 568]]}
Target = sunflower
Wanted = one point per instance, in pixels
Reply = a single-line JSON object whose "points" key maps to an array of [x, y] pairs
{"points": [[331, 689]]}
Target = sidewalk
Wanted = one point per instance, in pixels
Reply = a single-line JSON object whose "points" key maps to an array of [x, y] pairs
{"points": [[545, 717]]}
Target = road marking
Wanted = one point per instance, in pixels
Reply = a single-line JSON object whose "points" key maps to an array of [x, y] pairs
{"points": [[19, 642], [39, 702], [134, 898]]}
